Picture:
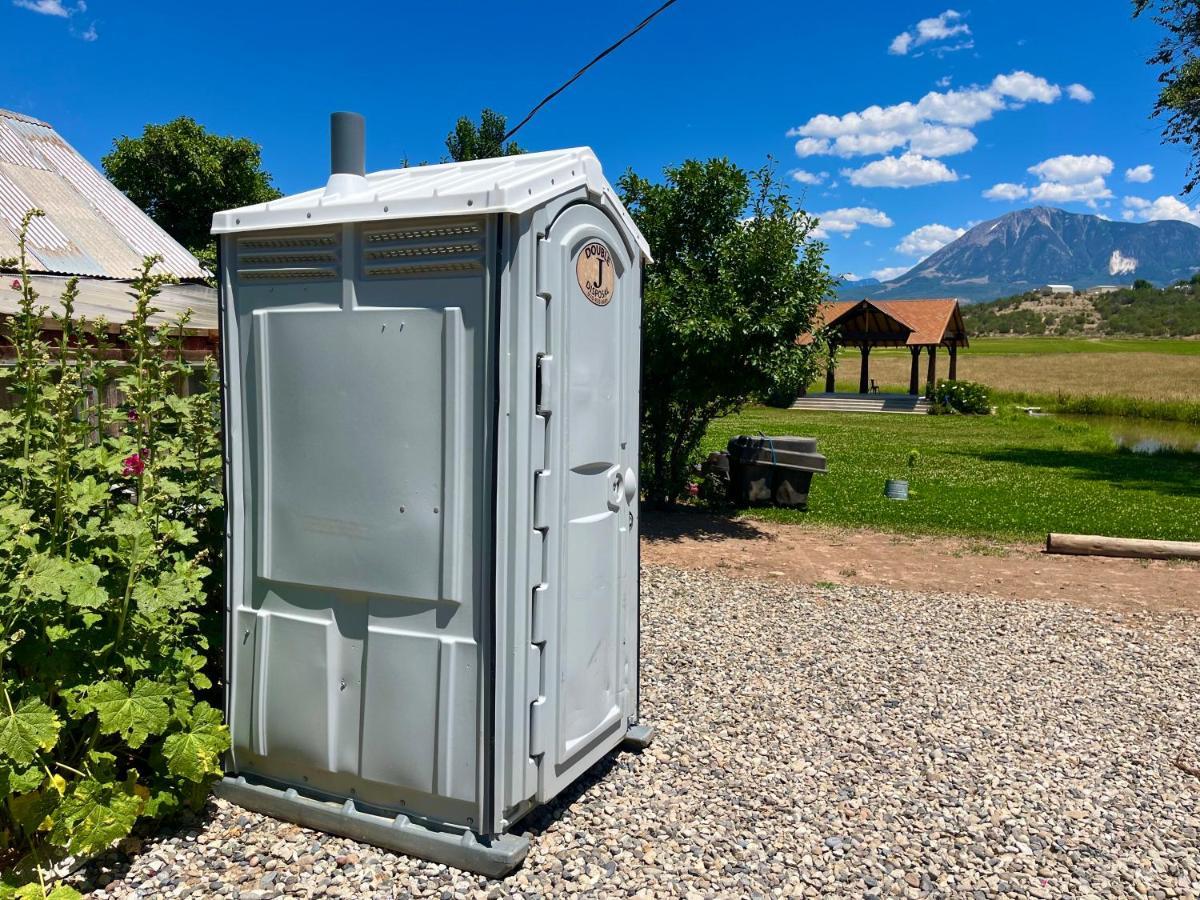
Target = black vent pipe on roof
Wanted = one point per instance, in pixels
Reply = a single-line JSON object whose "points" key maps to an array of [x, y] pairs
{"points": [[347, 144]]}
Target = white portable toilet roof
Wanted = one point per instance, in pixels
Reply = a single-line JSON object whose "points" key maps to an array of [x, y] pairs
{"points": [[507, 184]]}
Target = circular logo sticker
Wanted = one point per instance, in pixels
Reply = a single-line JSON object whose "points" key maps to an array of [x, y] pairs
{"points": [[597, 277]]}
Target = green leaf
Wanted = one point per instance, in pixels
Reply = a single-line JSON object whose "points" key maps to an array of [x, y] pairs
{"points": [[195, 752], [134, 715], [19, 780], [87, 494], [31, 727], [53, 578], [178, 588], [94, 814]]}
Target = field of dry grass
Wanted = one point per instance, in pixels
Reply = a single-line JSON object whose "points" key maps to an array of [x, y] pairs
{"points": [[1143, 375]]}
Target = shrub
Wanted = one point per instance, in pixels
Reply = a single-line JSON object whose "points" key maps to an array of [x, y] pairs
{"points": [[108, 519], [736, 280], [967, 397]]}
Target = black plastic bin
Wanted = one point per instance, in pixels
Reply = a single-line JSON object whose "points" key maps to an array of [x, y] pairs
{"points": [[775, 470]]}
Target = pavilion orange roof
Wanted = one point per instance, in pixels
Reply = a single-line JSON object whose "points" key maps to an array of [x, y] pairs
{"points": [[927, 322]]}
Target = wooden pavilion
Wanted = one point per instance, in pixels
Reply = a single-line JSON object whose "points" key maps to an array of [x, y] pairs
{"points": [[915, 324]]}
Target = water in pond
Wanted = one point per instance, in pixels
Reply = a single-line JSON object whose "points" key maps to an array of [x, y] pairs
{"points": [[1145, 435]]}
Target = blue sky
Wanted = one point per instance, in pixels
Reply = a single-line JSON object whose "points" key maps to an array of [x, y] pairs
{"points": [[1027, 102]]}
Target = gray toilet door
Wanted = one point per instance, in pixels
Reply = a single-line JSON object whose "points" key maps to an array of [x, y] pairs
{"points": [[592, 653]]}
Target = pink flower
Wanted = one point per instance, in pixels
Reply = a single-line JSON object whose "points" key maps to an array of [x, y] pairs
{"points": [[133, 465], [132, 415], [694, 489], [16, 284]]}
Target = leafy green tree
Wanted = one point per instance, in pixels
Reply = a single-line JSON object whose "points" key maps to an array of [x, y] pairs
{"points": [[483, 141], [1177, 55], [181, 174], [735, 281]]}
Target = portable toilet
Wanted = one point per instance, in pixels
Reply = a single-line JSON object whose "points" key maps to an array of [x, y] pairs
{"points": [[431, 420]]}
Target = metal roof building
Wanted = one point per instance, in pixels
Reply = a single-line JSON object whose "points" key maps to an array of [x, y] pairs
{"points": [[90, 230]]}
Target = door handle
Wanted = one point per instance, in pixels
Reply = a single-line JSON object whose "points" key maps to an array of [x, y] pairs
{"points": [[616, 488]]}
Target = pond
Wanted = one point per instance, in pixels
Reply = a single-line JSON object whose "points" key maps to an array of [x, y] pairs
{"points": [[1144, 435]]}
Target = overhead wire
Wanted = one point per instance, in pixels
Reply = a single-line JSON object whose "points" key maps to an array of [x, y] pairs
{"points": [[642, 24]]}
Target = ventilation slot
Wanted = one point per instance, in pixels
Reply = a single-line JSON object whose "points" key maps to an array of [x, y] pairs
{"points": [[306, 257], [448, 248]]}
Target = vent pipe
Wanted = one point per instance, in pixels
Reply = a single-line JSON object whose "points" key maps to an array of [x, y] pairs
{"points": [[347, 153]]}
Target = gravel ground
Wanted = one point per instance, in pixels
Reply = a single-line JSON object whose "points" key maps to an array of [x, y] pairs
{"points": [[824, 742]]}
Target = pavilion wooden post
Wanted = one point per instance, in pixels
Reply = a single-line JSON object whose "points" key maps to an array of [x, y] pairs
{"points": [[954, 362], [864, 375], [914, 375], [931, 374]]}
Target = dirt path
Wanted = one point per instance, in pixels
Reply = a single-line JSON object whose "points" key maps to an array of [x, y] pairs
{"points": [[811, 555]]}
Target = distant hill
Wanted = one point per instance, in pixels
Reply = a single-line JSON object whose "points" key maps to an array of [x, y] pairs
{"points": [[1030, 247], [1143, 311]]}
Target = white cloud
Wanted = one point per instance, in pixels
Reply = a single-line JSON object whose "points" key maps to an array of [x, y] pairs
{"points": [[812, 147], [937, 28], [1080, 93], [1140, 174], [1073, 169], [850, 276], [942, 140], [944, 81], [909, 170], [939, 124], [928, 239], [1025, 87], [890, 272], [900, 44], [804, 177], [848, 219], [1072, 179], [1006, 190], [1071, 192], [1163, 208], [57, 9], [50, 7]]}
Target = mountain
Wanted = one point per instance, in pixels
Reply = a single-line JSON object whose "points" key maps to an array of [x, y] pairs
{"points": [[1030, 247]]}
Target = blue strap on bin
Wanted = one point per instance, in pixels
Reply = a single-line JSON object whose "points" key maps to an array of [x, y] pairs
{"points": [[771, 444]]}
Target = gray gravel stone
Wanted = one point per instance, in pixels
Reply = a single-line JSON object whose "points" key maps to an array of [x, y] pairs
{"points": [[847, 741]]}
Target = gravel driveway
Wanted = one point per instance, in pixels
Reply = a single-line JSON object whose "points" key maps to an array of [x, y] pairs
{"points": [[825, 742]]}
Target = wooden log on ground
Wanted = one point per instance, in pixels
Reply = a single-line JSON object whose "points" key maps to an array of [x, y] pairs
{"points": [[1097, 545]]}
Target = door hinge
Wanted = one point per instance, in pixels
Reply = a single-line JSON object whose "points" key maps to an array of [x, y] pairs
{"points": [[545, 382], [538, 625], [542, 275], [537, 727], [541, 486]]}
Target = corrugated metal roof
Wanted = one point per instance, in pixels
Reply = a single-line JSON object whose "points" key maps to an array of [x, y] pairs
{"points": [[511, 184], [90, 228], [114, 300]]}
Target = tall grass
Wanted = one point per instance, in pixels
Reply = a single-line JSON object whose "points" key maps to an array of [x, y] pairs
{"points": [[1106, 405]]}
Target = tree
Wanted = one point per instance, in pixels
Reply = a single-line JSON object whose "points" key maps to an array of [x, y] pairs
{"points": [[482, 141], [735, 281], [181, 174], [1179, 98]]}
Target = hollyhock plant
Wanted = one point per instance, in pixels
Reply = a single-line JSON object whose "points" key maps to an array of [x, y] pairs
{"points": [[133, 465], [109, 594]]}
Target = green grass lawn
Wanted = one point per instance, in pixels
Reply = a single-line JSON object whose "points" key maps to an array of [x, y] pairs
{"points": [[1004, 476], [1037, 344]]}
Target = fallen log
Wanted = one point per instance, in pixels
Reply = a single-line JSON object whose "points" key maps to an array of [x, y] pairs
{"points": [[1097, 545]]}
